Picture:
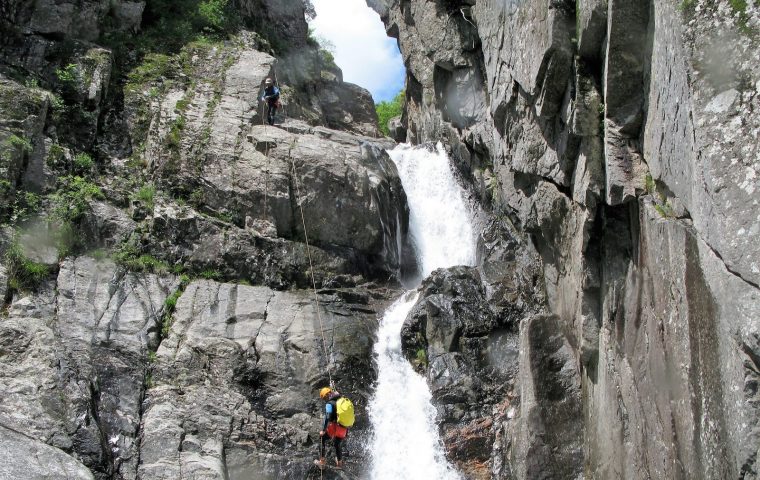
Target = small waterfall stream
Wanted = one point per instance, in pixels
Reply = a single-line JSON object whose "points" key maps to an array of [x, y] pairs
{"points": [[405, 442]]}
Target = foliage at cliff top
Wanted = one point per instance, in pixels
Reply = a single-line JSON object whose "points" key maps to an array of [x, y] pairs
{"points": [[388, 110]]}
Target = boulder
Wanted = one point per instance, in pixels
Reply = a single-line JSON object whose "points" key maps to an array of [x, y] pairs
{"points": [[397, 129], [348, 107], [26, 457], [469, 354]]}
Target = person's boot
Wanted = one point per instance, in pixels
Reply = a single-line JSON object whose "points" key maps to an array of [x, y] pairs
{"points": [[339, 463]]}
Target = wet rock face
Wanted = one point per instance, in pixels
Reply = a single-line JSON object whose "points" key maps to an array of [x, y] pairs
{"points": [[235, 382], [111, 372], [87, 345], [616, 139], [469, 353]]}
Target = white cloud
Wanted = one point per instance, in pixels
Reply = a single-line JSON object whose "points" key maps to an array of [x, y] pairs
{"points": [[367, 56]]}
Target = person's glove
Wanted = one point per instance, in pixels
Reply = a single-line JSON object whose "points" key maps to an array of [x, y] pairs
{"points": [[321, 433]]}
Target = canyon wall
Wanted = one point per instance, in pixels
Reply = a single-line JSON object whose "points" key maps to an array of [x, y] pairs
{"points": [[619, 141]]}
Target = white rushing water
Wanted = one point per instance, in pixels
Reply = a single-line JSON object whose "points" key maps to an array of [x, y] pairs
{"points": [[405, 442]]}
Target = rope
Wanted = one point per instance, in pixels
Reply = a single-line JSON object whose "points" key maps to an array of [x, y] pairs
{"points": [[308, 250], [314, 287], [311, 270]]}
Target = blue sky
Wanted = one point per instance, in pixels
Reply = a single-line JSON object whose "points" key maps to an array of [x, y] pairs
{"points": [[367, 56]]}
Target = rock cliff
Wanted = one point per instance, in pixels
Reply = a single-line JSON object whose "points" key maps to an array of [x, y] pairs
{"points": [[158, 319], [617, 141]]}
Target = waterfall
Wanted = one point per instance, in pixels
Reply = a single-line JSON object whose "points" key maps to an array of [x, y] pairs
{"points": [[405, 443]]}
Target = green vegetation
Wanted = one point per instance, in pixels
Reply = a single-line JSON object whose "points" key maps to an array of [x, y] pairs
{"points": [[170, 304], [129, 256], [55, 155], [69, 204], [23, 274], [168, 25], [740, 9], [14, 144], [388, 110], [650, 186], [210, 274], [664, 209], [146, 195], [686, 4], [68, 75], [27, 204], [83, 163], [174, 137], [73, 197], [421, 357]]}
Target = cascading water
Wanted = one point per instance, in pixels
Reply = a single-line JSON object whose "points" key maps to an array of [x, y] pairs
{"points": [[405, 442]]}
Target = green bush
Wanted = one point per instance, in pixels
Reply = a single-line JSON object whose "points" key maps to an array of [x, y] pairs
{"points": [[388, 110], [69, 74], [210, 274], [131, 257], [146, 195], [23, 274], [73, 197], [83, 163], [14, 145], [55, 155]]}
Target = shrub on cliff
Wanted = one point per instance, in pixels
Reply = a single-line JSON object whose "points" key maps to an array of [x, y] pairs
{"points": [[388, 110]]}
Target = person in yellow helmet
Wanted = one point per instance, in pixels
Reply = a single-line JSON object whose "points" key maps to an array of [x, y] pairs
{"points": [[331, 429]]}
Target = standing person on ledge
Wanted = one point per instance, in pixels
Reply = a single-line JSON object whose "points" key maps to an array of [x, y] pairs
{"points": [[272, 98]]}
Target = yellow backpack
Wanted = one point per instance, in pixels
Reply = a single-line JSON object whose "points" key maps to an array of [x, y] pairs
{"points": [[345, 412]]}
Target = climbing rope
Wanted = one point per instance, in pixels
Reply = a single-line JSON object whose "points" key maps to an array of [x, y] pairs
{"points": [[308, 248], [311, 270], [306, 238], [314, 286]]}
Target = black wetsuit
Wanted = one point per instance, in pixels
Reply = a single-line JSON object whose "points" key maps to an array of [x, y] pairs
{"points": [[271, 96]]}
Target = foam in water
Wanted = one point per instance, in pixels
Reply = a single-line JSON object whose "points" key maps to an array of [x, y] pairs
{"points": [[405, 442]]}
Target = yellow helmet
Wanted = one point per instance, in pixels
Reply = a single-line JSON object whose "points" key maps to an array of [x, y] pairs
{"points": [[324, 392]]}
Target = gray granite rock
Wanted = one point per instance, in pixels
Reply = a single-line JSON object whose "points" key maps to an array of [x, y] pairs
{"points": [[3, 281], [75, 360], [236, 380], [26, 457]]}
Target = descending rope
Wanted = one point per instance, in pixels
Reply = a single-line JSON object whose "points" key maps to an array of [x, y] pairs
{"points": [[306, 238], [314, 287], [308, 249], [311, 270], [266, 178]]}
